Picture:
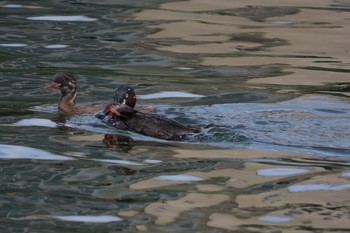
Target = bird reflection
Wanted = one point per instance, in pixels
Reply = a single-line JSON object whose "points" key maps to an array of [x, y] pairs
{"points": [[125, 171], [118, 142]]}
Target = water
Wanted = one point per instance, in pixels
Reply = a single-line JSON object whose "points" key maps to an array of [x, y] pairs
{"points": [[267, 82]]}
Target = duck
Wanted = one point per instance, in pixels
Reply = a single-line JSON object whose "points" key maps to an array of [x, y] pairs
{"points": [[67, 84], [123, 115]]}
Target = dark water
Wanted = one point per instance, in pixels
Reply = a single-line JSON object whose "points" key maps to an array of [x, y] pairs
{"points": [[270, 157]]}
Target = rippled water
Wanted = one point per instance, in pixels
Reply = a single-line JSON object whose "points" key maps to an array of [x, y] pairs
{"points": [[267, 82]]}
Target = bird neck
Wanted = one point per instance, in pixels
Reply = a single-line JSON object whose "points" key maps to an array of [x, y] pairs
{"points": [[67, 100]]}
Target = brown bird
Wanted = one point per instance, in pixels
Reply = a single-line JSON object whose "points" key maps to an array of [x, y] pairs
{"points": [[67, 85], [122, 115]]}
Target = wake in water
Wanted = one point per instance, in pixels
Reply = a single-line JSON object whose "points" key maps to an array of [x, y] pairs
{"points": [[311, 124]]}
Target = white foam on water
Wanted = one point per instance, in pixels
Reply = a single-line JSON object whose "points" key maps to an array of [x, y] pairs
{"points": [[317, 187], [24, 152], [280, 171], [89, 219], [169, 94], [179, 178], [63, 18], [276, 219]]}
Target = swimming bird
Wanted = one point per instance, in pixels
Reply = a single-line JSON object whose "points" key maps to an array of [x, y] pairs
{"points": [[123, 115], [67, 84]]}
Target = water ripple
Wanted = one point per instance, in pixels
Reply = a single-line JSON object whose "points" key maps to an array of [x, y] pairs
{"points": [[62, 18]]}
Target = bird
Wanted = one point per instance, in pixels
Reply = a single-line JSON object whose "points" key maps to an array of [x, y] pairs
{"points": [[123, 115], [67, 84]]}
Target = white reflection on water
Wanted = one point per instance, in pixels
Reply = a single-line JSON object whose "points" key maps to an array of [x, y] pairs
{"points": [[12, 6], [346, 174], [269, 218], [281, 22], [169, 94], [280, 171], [179, 178], [36, 122], [24, 152], [89, 219], [118, 161], [18, 45], [14, 45], [56, 46], [20, 6], [63, 18], [152, 161], [317, 187], [183, 68]]}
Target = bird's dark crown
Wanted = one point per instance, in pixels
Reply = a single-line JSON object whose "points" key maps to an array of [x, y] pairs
{"points": [[65, 79], [125, 95]]}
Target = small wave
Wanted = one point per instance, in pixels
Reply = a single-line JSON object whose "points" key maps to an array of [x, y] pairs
{"points": [[63, 18]]}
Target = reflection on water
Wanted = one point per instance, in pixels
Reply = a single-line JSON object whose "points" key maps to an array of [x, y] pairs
{"points": [[36, 122], [275, 219], [61, 18], [257, 76], [22, 152], [73, 218], [280, 171]]}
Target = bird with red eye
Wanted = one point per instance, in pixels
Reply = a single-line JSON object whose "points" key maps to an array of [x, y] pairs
{"points": [[125, 95], [124, 102], [123, 115]]}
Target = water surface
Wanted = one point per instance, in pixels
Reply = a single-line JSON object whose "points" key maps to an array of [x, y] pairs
{"points": [[268, 83]]}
